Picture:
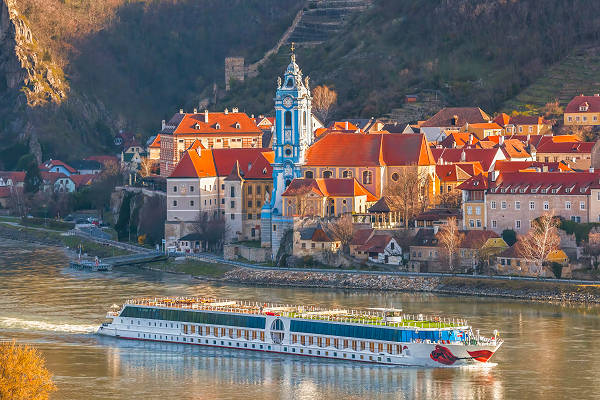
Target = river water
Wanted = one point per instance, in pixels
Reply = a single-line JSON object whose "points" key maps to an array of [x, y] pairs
{"points": [[550, 351]]}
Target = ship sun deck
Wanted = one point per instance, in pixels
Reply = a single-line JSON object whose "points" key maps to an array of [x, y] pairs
{"points": [[391, 318]]}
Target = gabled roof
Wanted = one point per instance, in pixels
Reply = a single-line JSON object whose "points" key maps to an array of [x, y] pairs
{"points": [[361, 236], [376, 243], [196, 145], [195, 165], [425, 237], [451, 173], [225, 158], [235, 174], [458, 139], [478, 182], [438, 214], [57, 163], [83, 180], [593, 103], [218, 123], [155, 143], [475, 239], [565, 147], [15, 176], [545, 183], [484, 156], [52, 177], [513, 148], [328, 187], [343, 126], [443, 118], [472, 168], [485, 125], [337, 149], [384, 205], [505, 119]]}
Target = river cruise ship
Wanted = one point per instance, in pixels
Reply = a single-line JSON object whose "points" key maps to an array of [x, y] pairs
{"points": [[377, 335]]}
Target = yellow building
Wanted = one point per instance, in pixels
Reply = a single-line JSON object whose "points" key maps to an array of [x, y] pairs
{"points": [[583, 110]]}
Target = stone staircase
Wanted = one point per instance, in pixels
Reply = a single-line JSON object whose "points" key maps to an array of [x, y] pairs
{"points": [[323, 18]]}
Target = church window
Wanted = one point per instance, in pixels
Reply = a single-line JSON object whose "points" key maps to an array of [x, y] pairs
{"points": [[308, 175], [327, 174], [287, 119], [290, 83], [367, 177], [347, 174]]}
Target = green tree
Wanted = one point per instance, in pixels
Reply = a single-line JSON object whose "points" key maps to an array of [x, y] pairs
{"points": [[509, 236], [33, 177]]}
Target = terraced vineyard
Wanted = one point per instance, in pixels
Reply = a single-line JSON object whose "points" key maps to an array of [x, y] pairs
{"points": [[576, 74]]}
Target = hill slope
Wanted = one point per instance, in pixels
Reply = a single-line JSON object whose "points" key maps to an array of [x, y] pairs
{"points": [[473, 51], [117, 64]]}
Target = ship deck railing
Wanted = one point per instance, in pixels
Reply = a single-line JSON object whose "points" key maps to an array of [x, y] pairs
{"points": [[369, 318]]}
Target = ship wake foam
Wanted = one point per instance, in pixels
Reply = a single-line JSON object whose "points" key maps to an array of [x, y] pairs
{"points": [[17, 323]]}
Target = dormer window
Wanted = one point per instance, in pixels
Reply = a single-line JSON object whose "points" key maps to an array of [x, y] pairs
{"points": [[197, 126], [584, 107], [217, 126], [237, 125]]}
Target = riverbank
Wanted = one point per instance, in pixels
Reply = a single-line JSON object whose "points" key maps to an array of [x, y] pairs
{"points": [[522, 290]]}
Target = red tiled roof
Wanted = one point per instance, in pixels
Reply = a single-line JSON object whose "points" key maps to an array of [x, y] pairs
{"points": [[226, 124], [443, 118], [85, 179], [225, 158], [471, 168], [458, 139], [328, 187], [546, 183], [15, 176], [484, 156], [337, 149], [485, 125], [475, 239], [343, 126], [155, 143], [478, 182], [376, 244], [196, 145], [52, 176], [261, 166], [56, 163], [593, 103], [195, 165], [513, 148], [504, 119], [516, 166], [565, 147], [451, 173], [361, 236]]}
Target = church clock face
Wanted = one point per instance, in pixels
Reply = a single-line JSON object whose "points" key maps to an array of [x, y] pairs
{"points": [[288, 101]]}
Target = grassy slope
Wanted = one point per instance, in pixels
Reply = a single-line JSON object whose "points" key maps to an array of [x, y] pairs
{"points": [[479, 52]]}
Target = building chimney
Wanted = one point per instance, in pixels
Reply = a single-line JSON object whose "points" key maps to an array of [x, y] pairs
{"points": [[195, 111], [346, 125], [463, 156], [252, 116], [181, 111], [163, 124], [226, 111], [205, 115], [470, 139], [591, 170], [501, 140], [234, 110]]}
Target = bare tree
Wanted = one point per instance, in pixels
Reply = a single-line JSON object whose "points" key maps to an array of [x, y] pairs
{"points": [[323, 101], [409, 193], [146, 166], [450, 238], [541, 239], [342, 229], [451, 199], [212, 230]]}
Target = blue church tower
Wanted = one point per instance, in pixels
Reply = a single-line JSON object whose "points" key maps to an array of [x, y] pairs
{"points": [[293, 136]]}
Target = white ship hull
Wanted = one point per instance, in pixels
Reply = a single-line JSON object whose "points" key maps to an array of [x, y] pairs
{"points": [[429, 354]]}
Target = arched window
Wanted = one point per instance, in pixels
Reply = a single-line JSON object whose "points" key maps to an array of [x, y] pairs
{"points": [[287, 119], [309, 175], [367, 177], [327, 174], [347, 174]]}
